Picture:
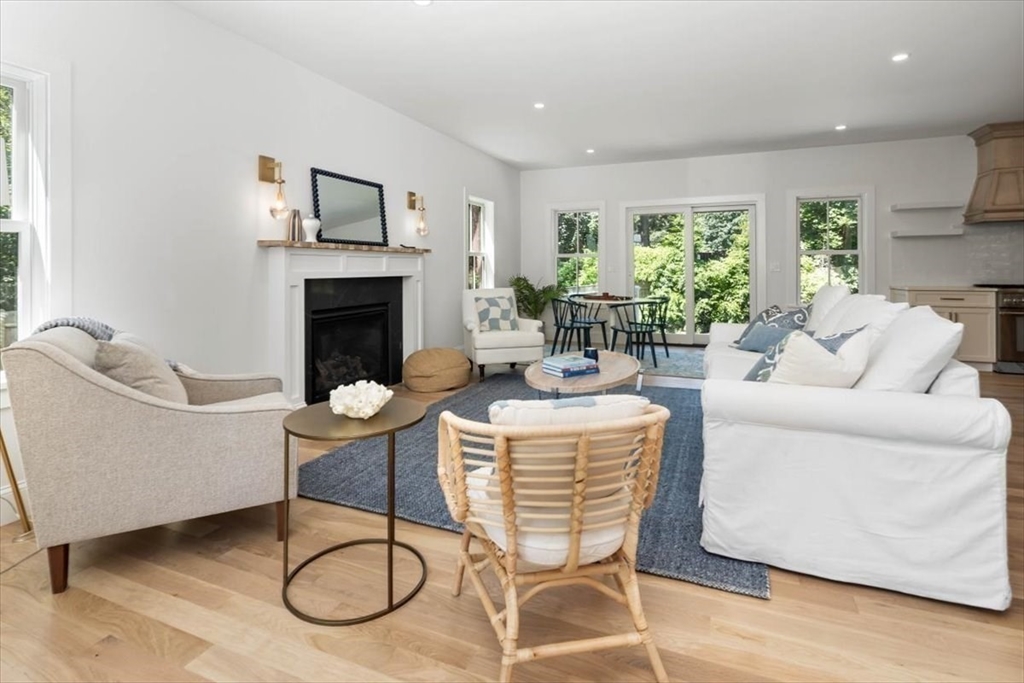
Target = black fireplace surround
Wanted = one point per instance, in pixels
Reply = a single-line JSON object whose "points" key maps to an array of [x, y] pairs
{"points": [[353, 332]]}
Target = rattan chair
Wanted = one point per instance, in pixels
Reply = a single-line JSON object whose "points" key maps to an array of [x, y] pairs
{"points": [[552, 506]]}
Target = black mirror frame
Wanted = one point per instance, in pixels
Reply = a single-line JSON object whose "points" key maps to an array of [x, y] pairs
{"points": [[314, 172]]}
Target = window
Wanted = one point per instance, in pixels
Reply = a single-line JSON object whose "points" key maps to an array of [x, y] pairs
{"points": [[15, 226], [479, 243], [830, 252], [577, 250]]}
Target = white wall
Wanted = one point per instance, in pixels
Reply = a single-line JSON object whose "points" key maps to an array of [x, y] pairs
{"points": [[169, 115], [907, 171]]}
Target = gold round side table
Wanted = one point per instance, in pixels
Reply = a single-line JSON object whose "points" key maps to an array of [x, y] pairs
{"points": [[318, 423]]}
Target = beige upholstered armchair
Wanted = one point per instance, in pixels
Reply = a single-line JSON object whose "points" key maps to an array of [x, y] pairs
{"points": [[103, 457], [553, 493], [493, 332]]}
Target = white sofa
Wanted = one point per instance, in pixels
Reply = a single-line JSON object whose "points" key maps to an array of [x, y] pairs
{"points": [[899, 490]]}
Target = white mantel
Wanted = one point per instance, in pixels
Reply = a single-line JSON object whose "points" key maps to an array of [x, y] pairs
{"points": [[292, 263]]}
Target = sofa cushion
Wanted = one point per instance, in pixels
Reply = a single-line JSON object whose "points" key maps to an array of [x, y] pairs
{"points": [[139, 368], [723, 361], [911, 352], [80, 344], [496, 313], [564, 411], [824, 301], [509, 340], [762, 336], [858, 310], [956, 379]]}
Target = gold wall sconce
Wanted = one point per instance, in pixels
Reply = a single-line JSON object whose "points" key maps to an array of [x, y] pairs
{"points": [[270, 172], [415, 203]]}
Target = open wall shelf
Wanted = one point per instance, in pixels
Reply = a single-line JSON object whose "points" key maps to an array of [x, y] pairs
{"points": [[922, 206], [951, 231]]}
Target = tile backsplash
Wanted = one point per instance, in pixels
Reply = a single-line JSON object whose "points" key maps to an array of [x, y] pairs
{"points": [[989, 253]]}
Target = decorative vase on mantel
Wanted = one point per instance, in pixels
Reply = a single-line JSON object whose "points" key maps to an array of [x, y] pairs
{"points": [[310, 225], [294, 226]]}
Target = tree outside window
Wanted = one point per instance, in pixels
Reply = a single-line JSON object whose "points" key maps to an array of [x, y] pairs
{"points": [[8, 240], [577, 250], [829, 244], [476, 253]]}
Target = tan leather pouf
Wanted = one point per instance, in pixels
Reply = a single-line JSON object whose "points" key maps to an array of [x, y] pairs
{"points": [[436, 370]]}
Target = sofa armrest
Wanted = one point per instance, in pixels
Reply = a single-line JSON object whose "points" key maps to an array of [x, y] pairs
{"points": [[530, 325], [203, 389], [923, 418], [725, 333]]}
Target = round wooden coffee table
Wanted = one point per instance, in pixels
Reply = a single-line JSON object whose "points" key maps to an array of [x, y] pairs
{"points": [[318, 423], [616, 368]]}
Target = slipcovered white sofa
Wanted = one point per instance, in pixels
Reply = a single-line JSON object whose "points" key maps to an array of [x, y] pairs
{"points": [[896, 489]]}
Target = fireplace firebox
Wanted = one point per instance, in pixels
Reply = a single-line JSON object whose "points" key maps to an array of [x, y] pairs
{"points": [[353, 332]]}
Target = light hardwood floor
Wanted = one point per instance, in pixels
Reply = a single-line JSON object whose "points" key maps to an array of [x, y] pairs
{"points": [[200, 600]]}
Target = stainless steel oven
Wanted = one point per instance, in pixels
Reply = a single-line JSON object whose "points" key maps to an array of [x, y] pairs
{"points": [[1010, 330]]}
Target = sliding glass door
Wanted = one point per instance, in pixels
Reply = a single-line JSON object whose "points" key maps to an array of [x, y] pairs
{"points": [[697, 256]]}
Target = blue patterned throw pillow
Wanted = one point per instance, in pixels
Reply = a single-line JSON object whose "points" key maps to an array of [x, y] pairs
{"points": [[774, 317], [762, 318], [765, 365], [496, 313], [761, 337]]}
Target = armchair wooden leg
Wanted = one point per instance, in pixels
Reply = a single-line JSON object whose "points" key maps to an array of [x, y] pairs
{"points": [[481, 372], [58, 557], [280, 519]]}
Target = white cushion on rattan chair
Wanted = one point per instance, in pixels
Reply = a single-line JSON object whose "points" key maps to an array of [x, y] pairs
{"points": [[551, 549]]}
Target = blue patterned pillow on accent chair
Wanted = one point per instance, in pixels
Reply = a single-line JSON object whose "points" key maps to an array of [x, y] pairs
{"points": [[496, 313]]}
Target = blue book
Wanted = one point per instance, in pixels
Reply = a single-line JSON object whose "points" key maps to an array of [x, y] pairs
{"points": [[572, 372], [567, 362]]}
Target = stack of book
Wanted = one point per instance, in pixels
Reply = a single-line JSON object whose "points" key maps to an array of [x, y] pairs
{"points": [[569, 366]]}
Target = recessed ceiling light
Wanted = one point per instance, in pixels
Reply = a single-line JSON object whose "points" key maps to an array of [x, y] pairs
{"points": [[422, 3], [590, 151], [841, 126], [901, 57], [538, 105]]}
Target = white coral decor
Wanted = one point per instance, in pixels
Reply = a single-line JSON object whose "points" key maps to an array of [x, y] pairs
{"points": [[362, 399]]}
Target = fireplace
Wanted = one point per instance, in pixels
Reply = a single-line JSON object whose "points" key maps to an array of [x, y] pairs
{"points": [[353, 332]]}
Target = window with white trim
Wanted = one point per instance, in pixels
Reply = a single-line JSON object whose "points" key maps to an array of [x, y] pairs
{"points": [[576, 264], [830, 232], [15, 210], [479, 243]]}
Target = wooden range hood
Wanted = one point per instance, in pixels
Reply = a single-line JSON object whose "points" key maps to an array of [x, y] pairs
{"points": [[998, 194]]}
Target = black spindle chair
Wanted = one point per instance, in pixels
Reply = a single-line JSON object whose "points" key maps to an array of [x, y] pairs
{"points": [[591, 315], [568, 325], [635, 321]]}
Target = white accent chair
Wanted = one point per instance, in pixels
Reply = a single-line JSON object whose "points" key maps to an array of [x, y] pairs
{"points": [[524, 345], [103, 458]]}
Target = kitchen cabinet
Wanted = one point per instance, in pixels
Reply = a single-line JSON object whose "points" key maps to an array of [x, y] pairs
{"points": [[974, 307]]}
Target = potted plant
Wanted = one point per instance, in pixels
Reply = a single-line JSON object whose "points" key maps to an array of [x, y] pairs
{"points": [[532, 299]]}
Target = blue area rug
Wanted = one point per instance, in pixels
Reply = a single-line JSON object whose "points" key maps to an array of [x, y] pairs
{"points": [[354, 475], [683, 361]]}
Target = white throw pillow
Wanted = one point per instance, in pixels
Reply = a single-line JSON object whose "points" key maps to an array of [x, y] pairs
{"points": [[824, 301], [566, 411], [806, 362], [139, 368], [911, 352], [858, 310]]}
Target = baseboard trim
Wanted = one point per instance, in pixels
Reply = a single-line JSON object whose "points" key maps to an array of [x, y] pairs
{"points": [[8, 512]]}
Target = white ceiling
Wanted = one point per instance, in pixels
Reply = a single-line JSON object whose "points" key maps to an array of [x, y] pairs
{"points": [[637, 80]]}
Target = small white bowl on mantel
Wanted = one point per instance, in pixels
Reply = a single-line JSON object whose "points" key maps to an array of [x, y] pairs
{"points": [[360, 400]]}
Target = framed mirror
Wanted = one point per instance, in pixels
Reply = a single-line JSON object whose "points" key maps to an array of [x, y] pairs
{"points": [[351, 210]]}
